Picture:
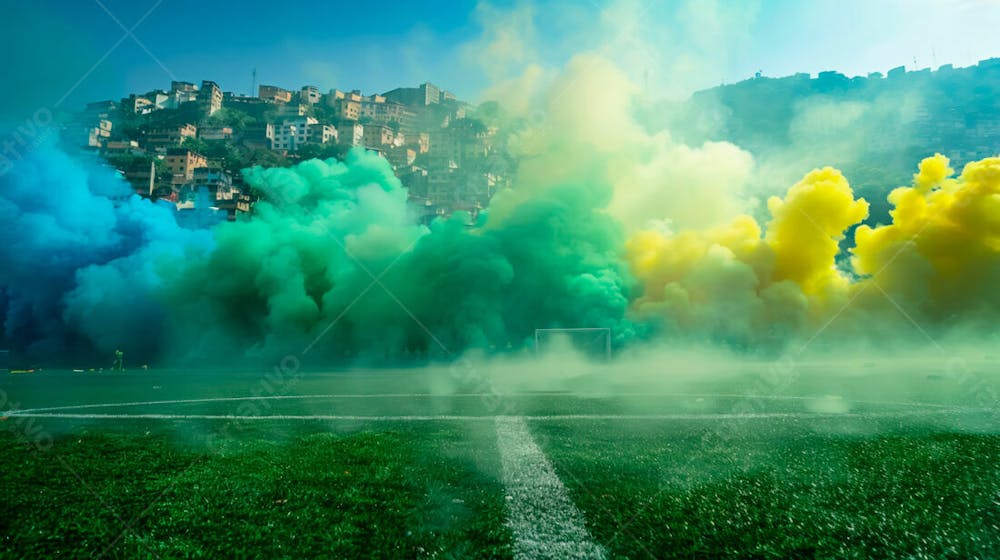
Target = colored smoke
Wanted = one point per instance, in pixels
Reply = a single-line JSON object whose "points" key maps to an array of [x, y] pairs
{"points": [[605, 225]]}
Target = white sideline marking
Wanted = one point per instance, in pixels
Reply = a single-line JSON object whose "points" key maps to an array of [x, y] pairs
{"points": [[252, 398], [446, 417], [457, 395], [544, 521]]}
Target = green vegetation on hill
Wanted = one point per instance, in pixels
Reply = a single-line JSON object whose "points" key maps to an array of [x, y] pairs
{"points": [[950, 109], [874, 129]]}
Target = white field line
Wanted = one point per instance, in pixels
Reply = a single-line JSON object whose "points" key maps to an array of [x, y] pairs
{"points": [[250, 398], [447, 417], [544, 521], [459, 395]]}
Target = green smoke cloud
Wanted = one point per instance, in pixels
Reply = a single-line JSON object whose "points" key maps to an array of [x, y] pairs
{"points": [[334, 262]]}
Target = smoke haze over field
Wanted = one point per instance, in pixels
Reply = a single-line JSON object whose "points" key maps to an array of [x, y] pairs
{"points": [[607, 224]]}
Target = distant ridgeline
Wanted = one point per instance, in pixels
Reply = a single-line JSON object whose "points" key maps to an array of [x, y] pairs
{"points": [[873, 128]]}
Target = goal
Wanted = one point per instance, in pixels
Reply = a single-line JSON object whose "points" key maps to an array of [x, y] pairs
{"points": [[592, 341]]}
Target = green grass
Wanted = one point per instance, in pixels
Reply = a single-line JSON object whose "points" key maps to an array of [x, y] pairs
{"points": [[393, 494], [666, 493], [665, 490]]}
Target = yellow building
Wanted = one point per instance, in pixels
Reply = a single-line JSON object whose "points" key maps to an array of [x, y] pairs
{"points": [[274, 93], [181, 163], [164, 137]]}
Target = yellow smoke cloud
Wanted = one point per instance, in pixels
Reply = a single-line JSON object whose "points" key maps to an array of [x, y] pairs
{"points": [[938, 260], [583, 130], [940, 256], [741, 279], [743, 284], [806, 227]]}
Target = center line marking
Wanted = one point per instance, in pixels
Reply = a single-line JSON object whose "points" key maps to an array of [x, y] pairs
{"points": [[544, 521]]}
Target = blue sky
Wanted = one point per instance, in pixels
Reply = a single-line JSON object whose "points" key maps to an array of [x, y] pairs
{"points": [[58, 46]]}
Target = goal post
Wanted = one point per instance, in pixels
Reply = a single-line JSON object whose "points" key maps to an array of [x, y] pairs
{"points": [[594, 341]]}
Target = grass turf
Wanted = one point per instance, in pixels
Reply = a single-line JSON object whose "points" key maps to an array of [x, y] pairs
{"points": [[683, 493], [400, 493], [669, 490]]}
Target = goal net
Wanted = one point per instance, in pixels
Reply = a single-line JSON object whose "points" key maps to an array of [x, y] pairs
{"points": [[591, 341]]}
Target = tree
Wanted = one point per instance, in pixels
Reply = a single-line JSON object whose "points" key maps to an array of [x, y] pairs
{"points": [[468, 127], [321, 151], [238, 120], [126, 161], [324, 113], [490, 113], [264, 158], [196, 145]]}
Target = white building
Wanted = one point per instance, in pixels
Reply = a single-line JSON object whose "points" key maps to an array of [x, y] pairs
{"points": [[322, 134], [351, 133], [292, 133], [91, 136]]}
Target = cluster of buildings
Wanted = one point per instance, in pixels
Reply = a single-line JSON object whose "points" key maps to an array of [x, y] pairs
{"points": [[448, 161]]}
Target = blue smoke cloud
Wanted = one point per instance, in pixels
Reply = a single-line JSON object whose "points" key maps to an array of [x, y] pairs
{"points": [[88, 266], [81, 257]]}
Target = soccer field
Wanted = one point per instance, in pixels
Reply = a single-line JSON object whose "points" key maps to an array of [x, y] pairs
{"points": [[411, 463]]}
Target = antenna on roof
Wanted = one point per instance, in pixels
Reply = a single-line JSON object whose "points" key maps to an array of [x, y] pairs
{"points": [[253, 84]]}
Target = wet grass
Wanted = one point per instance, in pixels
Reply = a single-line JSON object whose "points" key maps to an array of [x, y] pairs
{"points": [[679, 489], [392, 494], [670, 493]]}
